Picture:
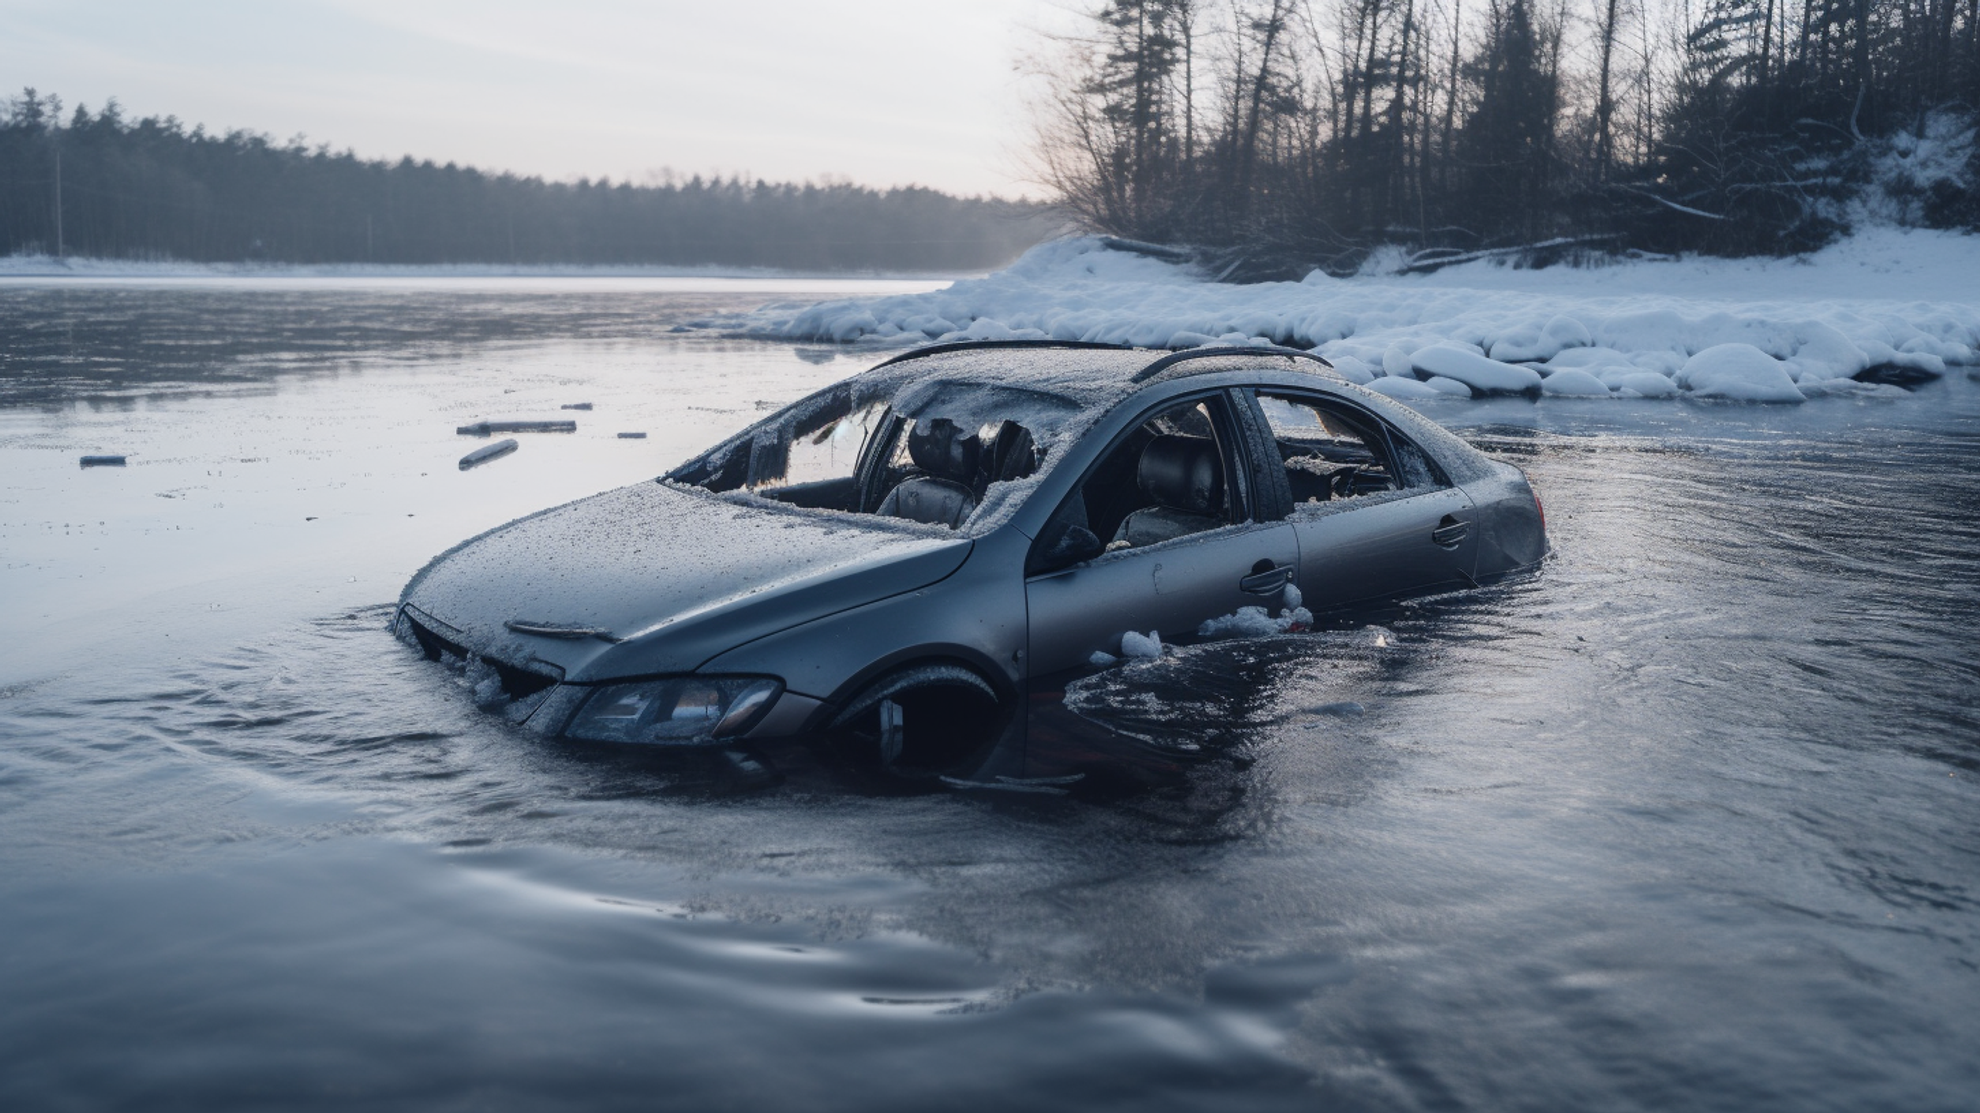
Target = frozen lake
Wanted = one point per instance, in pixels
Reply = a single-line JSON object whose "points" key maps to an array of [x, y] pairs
{"points": [[1688, 821]]}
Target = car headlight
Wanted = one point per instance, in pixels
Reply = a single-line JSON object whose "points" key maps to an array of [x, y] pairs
{"points": [[683, 711]]}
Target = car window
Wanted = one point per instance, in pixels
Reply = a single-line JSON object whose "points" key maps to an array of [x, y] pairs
{"points": [[1165, 478], [831, 451], [1332, 451], [929, 454]]}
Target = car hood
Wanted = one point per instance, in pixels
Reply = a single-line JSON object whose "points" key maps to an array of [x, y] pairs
{"points": [[657, 578]]}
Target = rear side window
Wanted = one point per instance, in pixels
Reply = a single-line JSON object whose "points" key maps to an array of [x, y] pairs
{"points": [[1332, 452]]}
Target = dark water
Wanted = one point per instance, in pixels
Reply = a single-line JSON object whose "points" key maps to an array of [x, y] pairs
{"points": [[1687, 821]]}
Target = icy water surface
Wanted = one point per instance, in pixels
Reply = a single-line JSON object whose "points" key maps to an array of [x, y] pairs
{"points": [[1687, 821]]}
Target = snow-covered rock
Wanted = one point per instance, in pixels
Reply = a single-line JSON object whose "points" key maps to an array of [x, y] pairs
{"points": [[1404, 390], [1642, 384], [1473, 370], [1574, 383], [1738, 371], [1527, 344]]}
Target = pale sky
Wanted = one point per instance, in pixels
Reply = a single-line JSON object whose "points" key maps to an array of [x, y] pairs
{"points": [[883, 92]]}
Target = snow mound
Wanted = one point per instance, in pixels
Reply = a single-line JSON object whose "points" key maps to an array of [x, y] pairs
{"points": [[1642, 384], [1906, 300], [1575, 383], [1403, 390], [1474, 370], [1738, 371]]}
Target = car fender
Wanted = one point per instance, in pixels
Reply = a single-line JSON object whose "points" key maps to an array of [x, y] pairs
{"points": [[975, 616], [1511, 535]]}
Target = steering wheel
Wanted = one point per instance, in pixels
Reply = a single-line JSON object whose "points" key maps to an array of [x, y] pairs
{"points": [[1340, 483]]}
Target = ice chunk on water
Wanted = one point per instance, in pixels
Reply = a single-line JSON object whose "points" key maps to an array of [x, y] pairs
{"points": [[1254, 622], [1738, 371], [1247, 622], [1146, 646], [1442, 385], [486, 453]]}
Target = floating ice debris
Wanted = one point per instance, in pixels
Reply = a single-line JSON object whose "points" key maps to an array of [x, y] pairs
{"points": [[103, 461], [484, 428], [1147, 645], [481, 456], [1254, 622], [1380, 637], [575, 406], [632, 436], [1102, 660]]}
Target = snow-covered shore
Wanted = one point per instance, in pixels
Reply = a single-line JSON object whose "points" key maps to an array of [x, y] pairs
{"points": [[1900, 302]]}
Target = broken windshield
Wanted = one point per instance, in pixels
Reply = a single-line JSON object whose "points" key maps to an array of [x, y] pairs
{"points": [[928, 454]]}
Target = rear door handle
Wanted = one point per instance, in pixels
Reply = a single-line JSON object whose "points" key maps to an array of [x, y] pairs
{"points": [[1449, 532], [1267, 581]]}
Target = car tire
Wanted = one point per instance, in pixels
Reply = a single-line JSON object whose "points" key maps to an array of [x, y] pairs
{"points": [[922, 721]]}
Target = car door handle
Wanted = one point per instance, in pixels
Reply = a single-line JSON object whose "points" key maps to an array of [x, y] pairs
{"points": [[1449, 532], [1267, 581]]}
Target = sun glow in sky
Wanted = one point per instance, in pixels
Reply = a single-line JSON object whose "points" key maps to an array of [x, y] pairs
{"points": [[882, 92]]}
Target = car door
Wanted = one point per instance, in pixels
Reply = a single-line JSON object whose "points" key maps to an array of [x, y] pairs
{"points": [[1169, 588], [1367, 545]]}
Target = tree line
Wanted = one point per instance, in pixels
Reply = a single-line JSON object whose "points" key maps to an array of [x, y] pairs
{"points": [[98, 184], [1280, 133]]}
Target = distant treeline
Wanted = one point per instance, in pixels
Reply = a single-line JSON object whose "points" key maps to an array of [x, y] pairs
{"points": [[1283, 132], [100, 185]]}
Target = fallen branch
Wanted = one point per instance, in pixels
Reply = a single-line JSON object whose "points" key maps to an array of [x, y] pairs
{"points": [[1671, 204], [1418, 263]]}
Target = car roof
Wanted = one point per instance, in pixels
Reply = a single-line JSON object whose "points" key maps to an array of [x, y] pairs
{"points": [[1091, 376]]}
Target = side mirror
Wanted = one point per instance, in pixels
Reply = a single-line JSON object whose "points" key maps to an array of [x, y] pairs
{"points": [[1066, 547]]}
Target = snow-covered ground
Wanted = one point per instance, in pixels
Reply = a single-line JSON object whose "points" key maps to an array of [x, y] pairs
{"points": [[1903, 302]]}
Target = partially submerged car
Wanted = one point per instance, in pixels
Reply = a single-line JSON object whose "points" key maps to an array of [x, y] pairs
{"points": [[904, 557]]}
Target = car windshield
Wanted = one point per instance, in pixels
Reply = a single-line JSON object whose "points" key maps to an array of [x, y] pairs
{"points": [[929, 452]]}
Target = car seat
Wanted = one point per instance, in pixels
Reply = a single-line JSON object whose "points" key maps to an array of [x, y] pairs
{"points": [[941, 494], [1185, 479]]}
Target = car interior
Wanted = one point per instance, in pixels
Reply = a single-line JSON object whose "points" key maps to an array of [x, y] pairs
{"points": [[1332, 453], [1162, 480], [940, 470]]}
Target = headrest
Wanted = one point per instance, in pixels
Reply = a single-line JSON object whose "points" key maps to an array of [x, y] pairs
{"points": [[1182, 473], [942, 450]]}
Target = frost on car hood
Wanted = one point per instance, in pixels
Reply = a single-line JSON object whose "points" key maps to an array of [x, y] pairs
{"points": [[655, 578]]}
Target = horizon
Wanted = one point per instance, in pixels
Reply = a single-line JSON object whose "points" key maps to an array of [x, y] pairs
{"points": [[575, 92]]}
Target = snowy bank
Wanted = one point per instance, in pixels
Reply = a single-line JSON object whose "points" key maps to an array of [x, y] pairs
{"points": [[1887, 302]]}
